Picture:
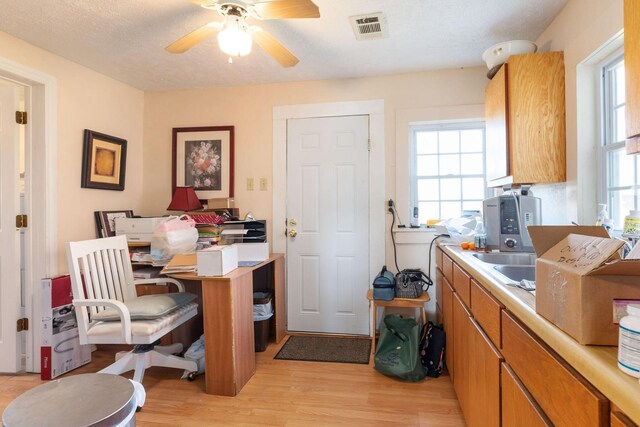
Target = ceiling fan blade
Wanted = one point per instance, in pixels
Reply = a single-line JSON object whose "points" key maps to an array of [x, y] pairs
{"points": [[285, 9], [193, 38], [274, 48]]}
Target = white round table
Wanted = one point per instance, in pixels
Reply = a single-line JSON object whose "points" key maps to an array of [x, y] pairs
{"points": [[98, 400]]}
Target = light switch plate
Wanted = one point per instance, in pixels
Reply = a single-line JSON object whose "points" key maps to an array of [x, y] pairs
{"points": [[263, 184], [249, 184]]}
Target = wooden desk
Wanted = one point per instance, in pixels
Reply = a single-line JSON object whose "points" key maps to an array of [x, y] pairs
{"points": [[227, 307], [396, 302]]}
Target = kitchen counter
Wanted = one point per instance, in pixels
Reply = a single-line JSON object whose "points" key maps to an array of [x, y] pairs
{"points": [[597, 364]]}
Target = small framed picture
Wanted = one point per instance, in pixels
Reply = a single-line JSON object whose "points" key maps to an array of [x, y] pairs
{"points": [[106, 221], [104, 160], [203, 159]]}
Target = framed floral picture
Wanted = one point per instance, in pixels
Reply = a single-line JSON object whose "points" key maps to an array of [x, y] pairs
{"points": [[203, 159]]}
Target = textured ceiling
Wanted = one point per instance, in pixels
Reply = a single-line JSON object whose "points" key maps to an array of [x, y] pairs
{"points": [[125, 39]]}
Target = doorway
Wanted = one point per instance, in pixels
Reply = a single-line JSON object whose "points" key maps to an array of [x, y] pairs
{"points": [[313, 304], [34, 248]]}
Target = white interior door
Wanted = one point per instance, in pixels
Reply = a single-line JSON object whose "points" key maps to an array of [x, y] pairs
{"points": [[10, 304], [328, 211]]}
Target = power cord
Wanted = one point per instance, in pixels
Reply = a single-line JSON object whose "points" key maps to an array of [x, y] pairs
{"points": [[438, 236], [394, 213], [392, 210]]}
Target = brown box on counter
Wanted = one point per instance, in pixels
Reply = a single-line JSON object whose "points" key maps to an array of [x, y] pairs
{"points": [[577, 279]]}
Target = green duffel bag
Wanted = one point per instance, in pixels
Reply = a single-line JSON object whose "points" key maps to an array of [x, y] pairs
{"points": [[398, 352]]}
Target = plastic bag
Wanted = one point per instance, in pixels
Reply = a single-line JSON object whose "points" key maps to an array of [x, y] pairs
{"points": [[398, 352], [262, 311], [196, 354], [459, 229], [177, 235]]}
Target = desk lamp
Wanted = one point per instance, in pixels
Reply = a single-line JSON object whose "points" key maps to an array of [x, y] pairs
{"points": [[184, 199]]}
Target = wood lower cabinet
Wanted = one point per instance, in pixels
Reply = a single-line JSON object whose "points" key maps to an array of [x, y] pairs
{"points": [[447, 268], [519, 408], [447, 322], [565, 397], [502, 373], [486, 311], [484, 383], [618, 419], [461, 354], [477, 367], [462, 284]]}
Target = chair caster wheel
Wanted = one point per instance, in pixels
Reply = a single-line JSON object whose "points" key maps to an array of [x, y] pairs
{"points": [[192, 376]]}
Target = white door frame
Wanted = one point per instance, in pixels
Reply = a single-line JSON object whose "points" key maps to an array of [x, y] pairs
{"points": [[41, 244], [377, 211]]}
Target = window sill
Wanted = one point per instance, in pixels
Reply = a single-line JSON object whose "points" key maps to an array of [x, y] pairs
{"points": [[408, 236]]}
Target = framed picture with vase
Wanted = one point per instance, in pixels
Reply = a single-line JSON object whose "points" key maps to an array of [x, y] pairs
{"points": [[203, 158]]}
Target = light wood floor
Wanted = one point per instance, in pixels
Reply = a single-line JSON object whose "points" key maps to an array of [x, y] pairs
{"points": [[283, 393]]}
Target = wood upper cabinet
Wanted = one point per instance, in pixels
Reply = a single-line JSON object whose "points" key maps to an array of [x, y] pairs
{"points": [[497, 127], [632, 73], [525, 121]]}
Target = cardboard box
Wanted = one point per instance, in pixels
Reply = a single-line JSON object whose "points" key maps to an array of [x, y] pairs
{"points": [[252, 251], [61, 350], [578, 277], [222, 203], [217, 260]]}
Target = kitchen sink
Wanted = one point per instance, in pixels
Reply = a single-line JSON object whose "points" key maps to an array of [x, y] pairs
{"points": [[512, 258], [517, 272]]}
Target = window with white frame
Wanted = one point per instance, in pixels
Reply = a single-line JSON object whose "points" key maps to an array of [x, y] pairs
{"points": [[619, 172], [448, 173]]}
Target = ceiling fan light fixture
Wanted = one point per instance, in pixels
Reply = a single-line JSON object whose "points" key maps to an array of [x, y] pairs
{"points": [[233, 39]]}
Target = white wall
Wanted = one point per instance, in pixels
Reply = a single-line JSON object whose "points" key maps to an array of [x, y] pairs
{"points": [[579, 30], [249, 109], [86, 100]]}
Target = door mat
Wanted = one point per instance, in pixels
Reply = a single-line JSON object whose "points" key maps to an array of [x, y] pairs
{"points": [[326, 349]]}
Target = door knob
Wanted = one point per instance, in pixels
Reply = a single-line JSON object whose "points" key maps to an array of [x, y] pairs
{"points": [[293, 233]]}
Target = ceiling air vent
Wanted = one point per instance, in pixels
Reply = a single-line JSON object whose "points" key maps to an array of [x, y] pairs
{"points": [[369, 27]]}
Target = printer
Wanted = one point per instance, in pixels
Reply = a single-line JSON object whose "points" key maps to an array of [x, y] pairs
{"points": [[138, 230]]}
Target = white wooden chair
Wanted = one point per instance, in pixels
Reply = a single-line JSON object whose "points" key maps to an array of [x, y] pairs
{"points": [[105, 268]]}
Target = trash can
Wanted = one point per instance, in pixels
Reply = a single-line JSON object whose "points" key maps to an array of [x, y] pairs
{"points": [[262, 312]]}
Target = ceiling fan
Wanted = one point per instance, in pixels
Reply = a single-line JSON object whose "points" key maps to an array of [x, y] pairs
{"points": [[235, 37]]}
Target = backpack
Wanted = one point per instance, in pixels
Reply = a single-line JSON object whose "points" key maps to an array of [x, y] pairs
{"points": [[432, 347]]}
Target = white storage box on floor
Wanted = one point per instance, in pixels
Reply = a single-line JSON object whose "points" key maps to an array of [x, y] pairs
{"points": [[61, 350]]}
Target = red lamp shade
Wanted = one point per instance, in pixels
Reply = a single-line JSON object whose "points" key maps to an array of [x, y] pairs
{"points": [[184, 199]]}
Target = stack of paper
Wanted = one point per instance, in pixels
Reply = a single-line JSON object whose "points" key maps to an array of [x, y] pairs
{"points": [[181, 263]]}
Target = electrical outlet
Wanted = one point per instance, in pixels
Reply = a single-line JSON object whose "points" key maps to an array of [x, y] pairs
{"points": [[263, 184], [249, 184]]}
